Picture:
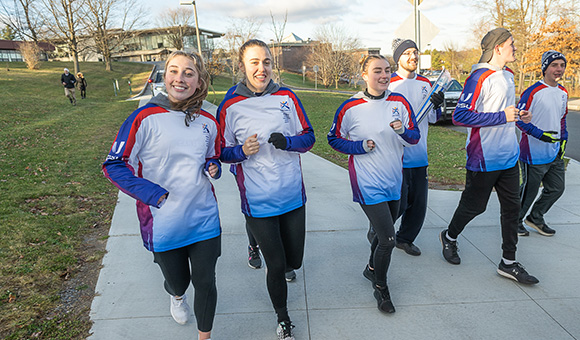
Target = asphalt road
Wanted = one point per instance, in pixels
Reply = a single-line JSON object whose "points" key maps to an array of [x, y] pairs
{"points": [[573, 125]]}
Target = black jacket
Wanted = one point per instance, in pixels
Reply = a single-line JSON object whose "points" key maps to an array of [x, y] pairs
{"points": [[69, 79]]}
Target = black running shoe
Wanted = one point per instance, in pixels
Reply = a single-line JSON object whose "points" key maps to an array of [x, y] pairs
{"points": [[516, 272], [449, 248], [290, 275], [384, 303], [254, 260], [542, 228], [522, 231], [370, 275], [284, 331]]}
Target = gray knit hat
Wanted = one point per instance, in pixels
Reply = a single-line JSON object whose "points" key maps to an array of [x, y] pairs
{"points": [[493, 38], [400, 45], [549, 56]]}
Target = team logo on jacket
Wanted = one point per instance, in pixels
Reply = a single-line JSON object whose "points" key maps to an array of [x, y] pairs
{"points": [[205, 129], [424, 91], [285, 109], [395, 113]]}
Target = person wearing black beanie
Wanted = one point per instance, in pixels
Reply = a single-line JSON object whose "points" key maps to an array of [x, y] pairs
{"points": [[543, 144]]}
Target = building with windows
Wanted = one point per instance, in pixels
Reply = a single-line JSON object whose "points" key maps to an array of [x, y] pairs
{"points": [[9, 50]]}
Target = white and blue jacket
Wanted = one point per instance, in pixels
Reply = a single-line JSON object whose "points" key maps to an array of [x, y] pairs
{"points": [[270, 181], [415, 90], [492, 143], [155, 153], [549, 108], [375, 176]]}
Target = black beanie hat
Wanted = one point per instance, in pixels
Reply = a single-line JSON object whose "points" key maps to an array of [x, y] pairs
{"points": [[400, 45]]}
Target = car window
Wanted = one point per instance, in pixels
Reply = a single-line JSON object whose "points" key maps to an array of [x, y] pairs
{"points": [[455, 86], [159, 77]]}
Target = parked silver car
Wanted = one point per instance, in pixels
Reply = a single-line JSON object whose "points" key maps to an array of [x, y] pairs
{"points": [[451, 97], [158, 83]]}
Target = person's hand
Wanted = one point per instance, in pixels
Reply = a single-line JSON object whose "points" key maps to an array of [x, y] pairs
{"points": [[371, 144], [278, 140], [63, 83], [511, 114], [212, 170], [548, 137], [397, 125], [251, 145], [562, 149], [437, 99], [525, 116], [162, 198]]}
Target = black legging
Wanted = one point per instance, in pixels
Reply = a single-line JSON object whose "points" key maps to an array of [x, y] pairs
{"points": [[382, 217], [281, 240], [175, 266], [251, 238]]}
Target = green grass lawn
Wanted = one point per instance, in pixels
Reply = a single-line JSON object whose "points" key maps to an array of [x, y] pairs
{"points": [[56, 206], [55, 201]]}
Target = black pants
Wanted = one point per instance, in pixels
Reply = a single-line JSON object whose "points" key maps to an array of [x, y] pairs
{"points": [[413, 203], [251, 239], [553, 177], [478, 186], [281, 240], [195, 262], [382, 218], [83, 92]]}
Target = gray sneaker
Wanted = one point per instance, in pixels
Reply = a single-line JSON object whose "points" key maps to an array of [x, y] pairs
{"points": [[284, 331], [290, 275], [543, 229], [254, 260], [522, 231]]}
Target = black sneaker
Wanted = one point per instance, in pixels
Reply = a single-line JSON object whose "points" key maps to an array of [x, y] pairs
{"points": [[370, 275], [522, 231], [516, 272], [384, 303], [284, 331], [409, 248], [449, 248], [254, 260], [543, 229], [290, 275]]}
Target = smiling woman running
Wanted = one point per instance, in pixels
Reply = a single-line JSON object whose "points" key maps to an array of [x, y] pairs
{"points": [[161, 157], [264, 129], [361, 130]]}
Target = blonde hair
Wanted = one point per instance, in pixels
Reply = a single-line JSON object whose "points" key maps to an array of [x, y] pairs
{"points": [[191, 105], [366, 60]]}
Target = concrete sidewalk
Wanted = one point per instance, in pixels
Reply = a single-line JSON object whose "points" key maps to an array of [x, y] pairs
{"points": [[332, 300]]}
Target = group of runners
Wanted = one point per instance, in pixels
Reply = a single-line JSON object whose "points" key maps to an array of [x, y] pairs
{"points": [[166, 152]]}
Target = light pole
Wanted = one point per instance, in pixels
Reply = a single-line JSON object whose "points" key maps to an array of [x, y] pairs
{"points": [[192, 2]]}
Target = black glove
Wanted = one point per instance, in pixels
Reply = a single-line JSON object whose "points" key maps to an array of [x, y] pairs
{"points": [[437, 99], [548, 137], [278, 140]]}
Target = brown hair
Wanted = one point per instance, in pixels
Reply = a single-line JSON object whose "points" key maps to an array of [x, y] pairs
{"points": [[192, 105], [366, 60], [251, 43]]}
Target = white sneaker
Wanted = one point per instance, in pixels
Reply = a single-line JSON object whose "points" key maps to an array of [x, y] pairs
{"points": [[180, 309], [284, 331]]}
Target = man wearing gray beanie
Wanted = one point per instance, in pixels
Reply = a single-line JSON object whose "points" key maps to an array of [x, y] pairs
{"points": [[543, 143], [414, 87], [486, 108]]}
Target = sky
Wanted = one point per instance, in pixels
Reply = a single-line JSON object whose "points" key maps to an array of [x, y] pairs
{"points": [[374, 22]]}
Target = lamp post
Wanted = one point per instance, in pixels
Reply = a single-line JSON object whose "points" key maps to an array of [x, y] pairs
{"points": [[192, 2]]}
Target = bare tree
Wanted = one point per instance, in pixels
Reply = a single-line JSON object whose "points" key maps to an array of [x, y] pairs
{"points": [[31, 54], [333, 53], [22, 17], [64, 21], [181, 18], [239, 31], [101, 15], [278, 29]]}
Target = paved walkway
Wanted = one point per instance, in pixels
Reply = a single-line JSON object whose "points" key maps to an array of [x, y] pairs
{"points": [[332, 300]]}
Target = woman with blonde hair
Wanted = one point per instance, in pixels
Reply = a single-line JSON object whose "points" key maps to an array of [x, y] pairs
{"points": [[373, 127], [264, 129], [163, 156], [82, 83]]}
